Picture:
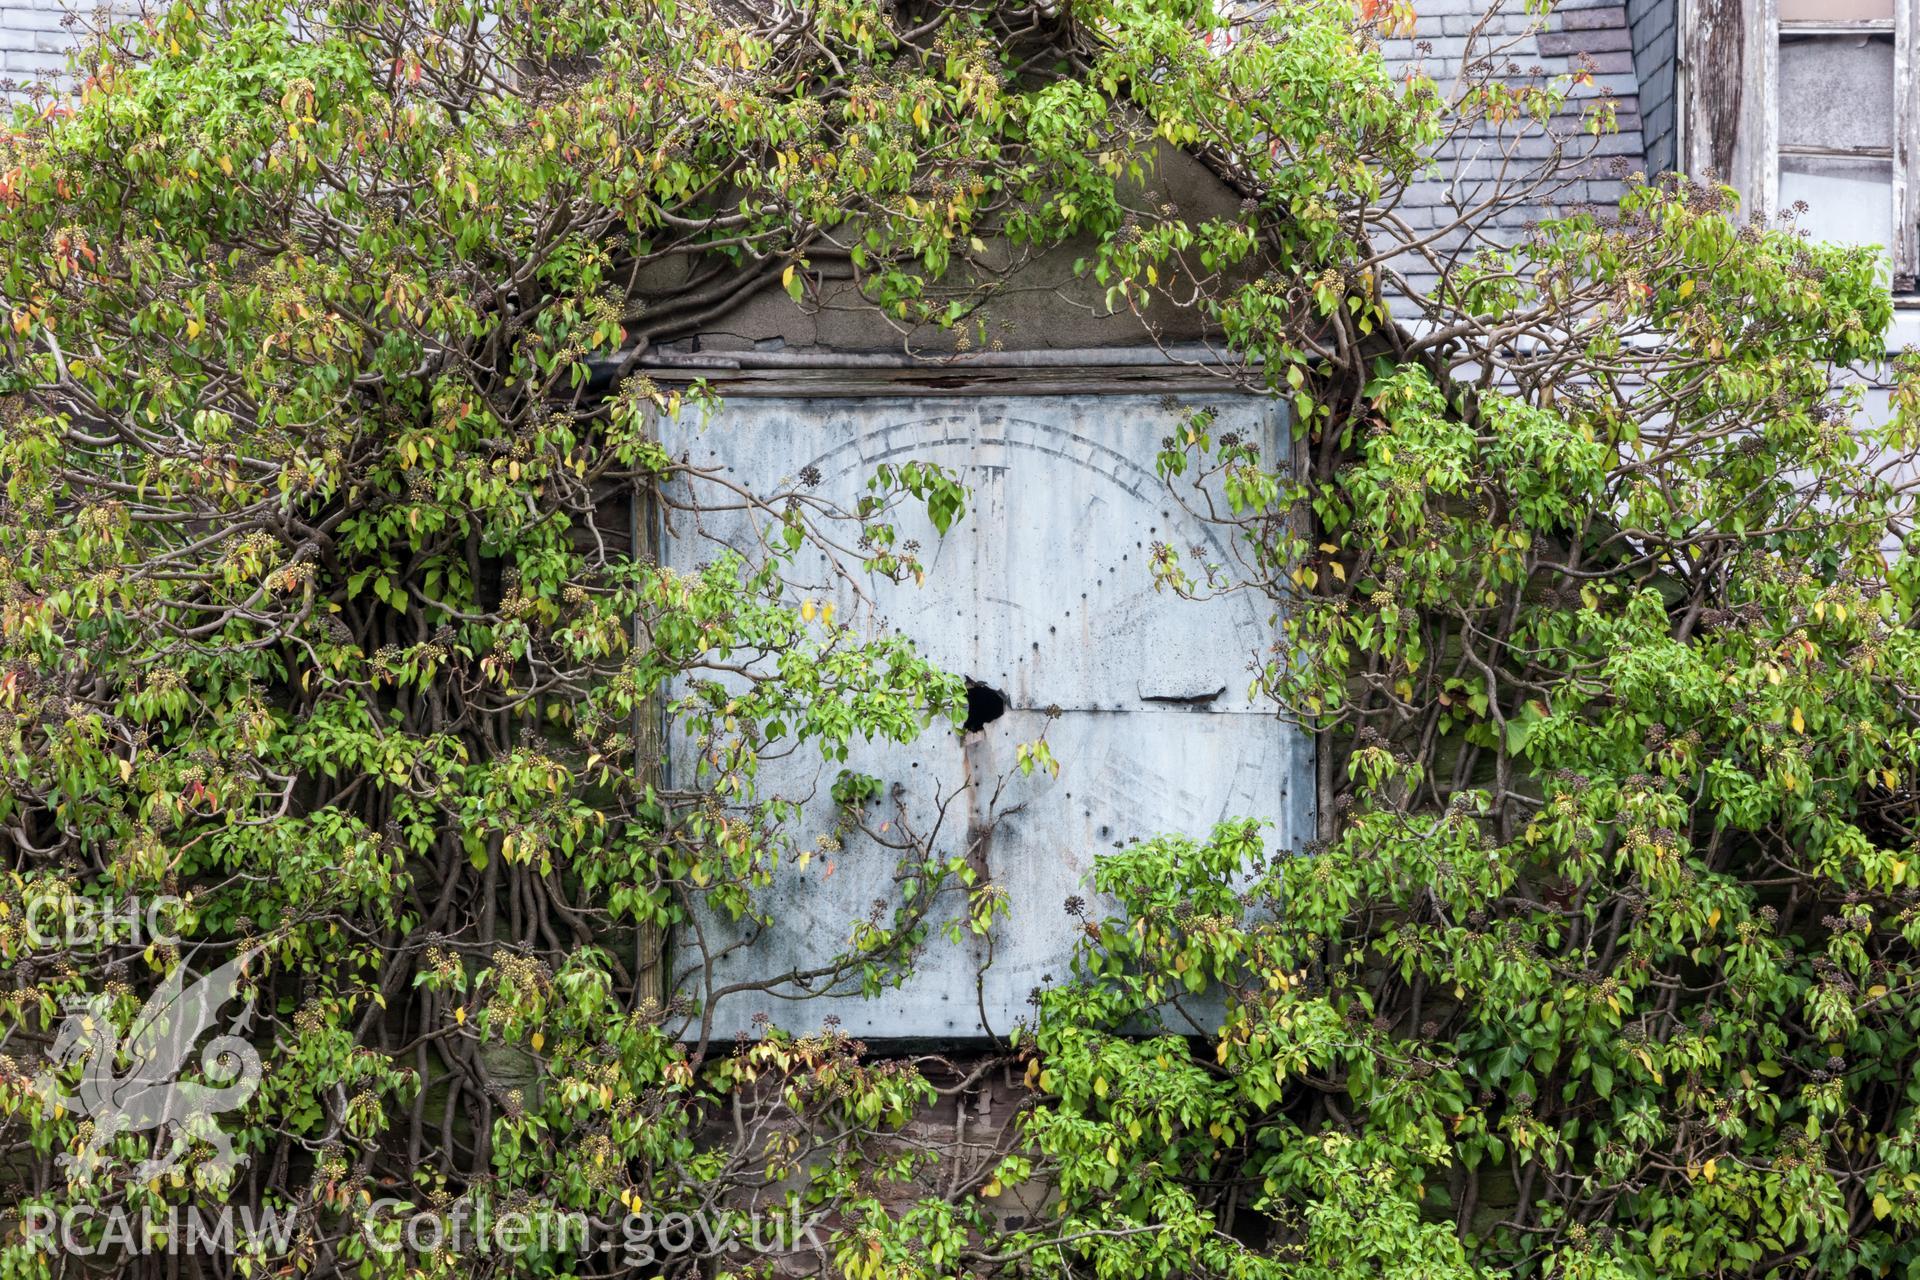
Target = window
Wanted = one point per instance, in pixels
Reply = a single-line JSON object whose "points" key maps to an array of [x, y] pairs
{"points": [[1043, 597], [1814, 102], [1846, 116]]}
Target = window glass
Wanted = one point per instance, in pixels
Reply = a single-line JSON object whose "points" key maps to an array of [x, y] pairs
{"points": [[1835, 10], [1849, 199], [1836, 92]]}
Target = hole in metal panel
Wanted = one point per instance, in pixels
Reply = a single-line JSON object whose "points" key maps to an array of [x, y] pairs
{"points": [[984, 706]]}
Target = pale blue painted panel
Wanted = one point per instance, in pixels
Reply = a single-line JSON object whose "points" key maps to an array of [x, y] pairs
{"points": [[1043, 592]]}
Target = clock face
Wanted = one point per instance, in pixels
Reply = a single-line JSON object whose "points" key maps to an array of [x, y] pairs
{"points": [[1042, 595]]}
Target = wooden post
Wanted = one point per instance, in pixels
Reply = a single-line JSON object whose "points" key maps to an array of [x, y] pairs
{"points": [[649, 737]]}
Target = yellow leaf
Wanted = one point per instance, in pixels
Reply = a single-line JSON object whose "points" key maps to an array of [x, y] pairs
{"points": [[226, 166], [460, 1015], [1708, 1169], [991, 1189], [808, 609], [1713, 917], [1799, 721], [539, 1042]]}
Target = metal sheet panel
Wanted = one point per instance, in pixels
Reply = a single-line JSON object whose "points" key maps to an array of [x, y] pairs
{"points": [[1043, 592]]}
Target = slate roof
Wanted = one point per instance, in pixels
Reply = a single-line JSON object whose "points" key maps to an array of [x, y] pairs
{"points": [[1591, 35], [1601, 36]]}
